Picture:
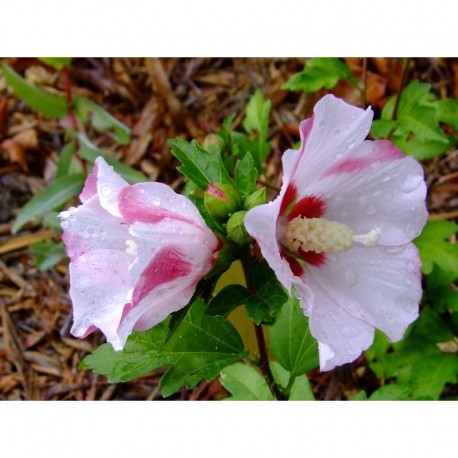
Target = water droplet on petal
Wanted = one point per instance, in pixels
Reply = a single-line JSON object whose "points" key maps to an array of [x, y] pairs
{"points": [[395, 249], [106, 191], [407, 281], [387, 196], [411, 231], [322, 123], [351, 145], [72, 217], [349, 331], [371, 210], [351, 277], [337, 131], [64, 224], [410, 183], [385, 177], [410, 266]]}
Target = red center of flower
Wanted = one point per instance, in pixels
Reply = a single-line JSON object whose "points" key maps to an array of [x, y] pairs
{"points": [[307, 207]]}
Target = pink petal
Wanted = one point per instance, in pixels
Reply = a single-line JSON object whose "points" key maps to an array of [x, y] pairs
{"points": [[90, 226], [153, 202], [165, 285], [379, 285], [382, 190], [90, 186], [99, 293]]}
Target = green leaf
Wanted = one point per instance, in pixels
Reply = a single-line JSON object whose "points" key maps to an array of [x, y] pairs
{"points": [[382, 128], [447, 111], [434, 249], [360, 396], [199, 165], [416, 130], [414, 94], [257, 115], [86, 110], [390, 392], [228, 299], [199, 349], [263, 306], [245, 383], [320, 73], [90, 152], [416, 362], [56, 62], [292, 344], [245, 175], [65, 159], [300, 389], [50, 198], [51, 105], [48, 253]]}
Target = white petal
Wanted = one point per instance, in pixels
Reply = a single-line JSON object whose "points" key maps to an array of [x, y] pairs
{"points": [[376, 187], [337, 128], [341, 336], [379, 285], [99, 291], [261, 224], [90, 226], [109, 185]]}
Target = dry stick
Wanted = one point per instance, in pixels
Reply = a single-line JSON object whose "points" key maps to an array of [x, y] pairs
{"points": [[364, 92], [263, 356], [405, 73], [71, 112]]}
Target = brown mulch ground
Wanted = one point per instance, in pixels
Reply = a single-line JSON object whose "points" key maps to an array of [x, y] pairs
{"points": [[159, 99]]}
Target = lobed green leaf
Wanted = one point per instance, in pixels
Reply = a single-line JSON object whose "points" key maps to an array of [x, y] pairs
{"points": [[291, 341], [199, 165]]}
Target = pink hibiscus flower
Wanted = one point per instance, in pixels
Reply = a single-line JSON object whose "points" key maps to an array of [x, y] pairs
{"points": [[340, 231], [137, 253]]}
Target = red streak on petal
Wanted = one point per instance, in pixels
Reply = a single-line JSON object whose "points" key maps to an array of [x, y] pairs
{"points": [[288, 198], [312, 258], [383, 150], [308, 207], [167, 265], [294, 264], [135, 208]]}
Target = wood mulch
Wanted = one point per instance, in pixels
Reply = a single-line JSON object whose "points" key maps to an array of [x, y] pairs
{"points": [[158, 99]]}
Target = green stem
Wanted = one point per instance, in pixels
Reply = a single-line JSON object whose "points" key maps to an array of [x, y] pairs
{"points": [[264, 366]]}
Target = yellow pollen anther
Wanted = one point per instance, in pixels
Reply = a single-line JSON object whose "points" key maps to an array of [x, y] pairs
{"points": [[323, 236], [318, 235]]}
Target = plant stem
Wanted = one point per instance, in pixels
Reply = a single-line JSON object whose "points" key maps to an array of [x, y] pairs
{"points": [[264, 366], [405, 73]]}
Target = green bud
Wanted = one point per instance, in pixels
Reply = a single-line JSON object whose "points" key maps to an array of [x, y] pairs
{"points": [[213, 140], [221, 200], [259, 197], [236, 229]]}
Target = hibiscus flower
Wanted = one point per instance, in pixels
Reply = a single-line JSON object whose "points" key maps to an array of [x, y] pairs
{"points": [[339, 232], [137, 253]]}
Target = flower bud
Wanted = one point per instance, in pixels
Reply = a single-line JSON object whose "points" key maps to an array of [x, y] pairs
{"points": [[236, 229], [221, 200], [259, 197]]}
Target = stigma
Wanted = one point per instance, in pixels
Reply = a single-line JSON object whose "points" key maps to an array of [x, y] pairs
{"points": [[323, 236]]}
